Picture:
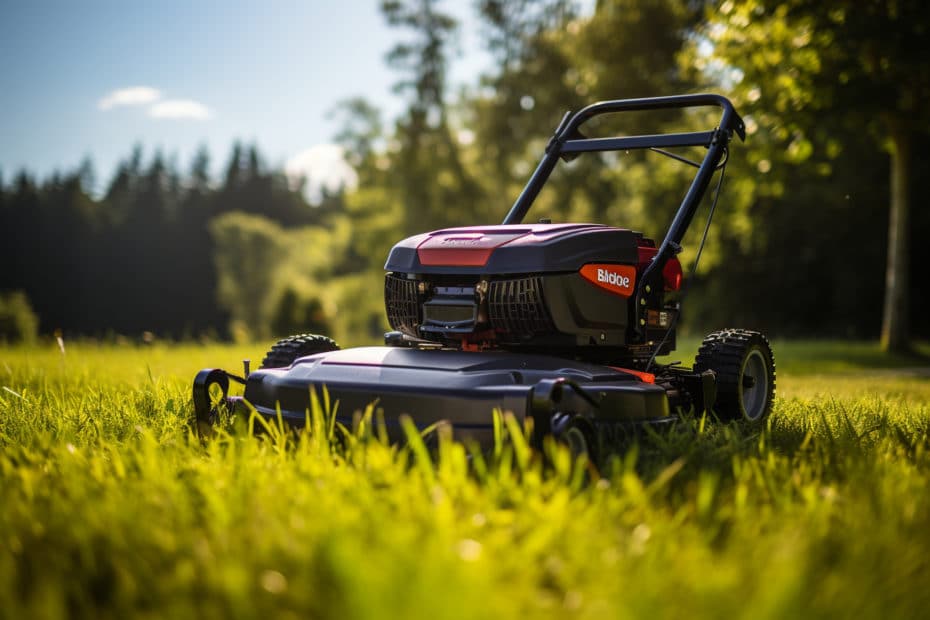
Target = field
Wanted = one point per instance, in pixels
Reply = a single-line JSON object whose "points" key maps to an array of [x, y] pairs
{"points": [[110, 506]]}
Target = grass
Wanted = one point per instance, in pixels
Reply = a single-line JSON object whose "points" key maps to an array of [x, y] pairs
{"points": [[110, 506]]}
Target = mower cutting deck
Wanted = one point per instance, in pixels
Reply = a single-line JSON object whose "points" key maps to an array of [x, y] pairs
{"points": [[560, 323], [462, 387]]}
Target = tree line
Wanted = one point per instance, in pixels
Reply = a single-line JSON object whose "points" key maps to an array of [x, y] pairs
{"points": [[811, 237], [142, 257]]}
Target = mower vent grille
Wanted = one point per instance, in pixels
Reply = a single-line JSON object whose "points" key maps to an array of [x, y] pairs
{"points": [[400, 301], [517, 307]]}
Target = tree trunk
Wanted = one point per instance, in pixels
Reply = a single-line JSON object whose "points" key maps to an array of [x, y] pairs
{"points": [[895, 324]]}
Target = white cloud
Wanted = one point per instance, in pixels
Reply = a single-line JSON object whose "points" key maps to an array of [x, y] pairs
{"points": [[159, 108], [134, 95], [180, 108], [322, 165]]}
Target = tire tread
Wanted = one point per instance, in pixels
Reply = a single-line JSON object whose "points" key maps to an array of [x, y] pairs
{"points": [[283, 353], [723, 352]]}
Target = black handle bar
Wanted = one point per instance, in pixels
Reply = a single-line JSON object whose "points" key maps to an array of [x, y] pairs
{"points": [[567, 140], [730, 120]]}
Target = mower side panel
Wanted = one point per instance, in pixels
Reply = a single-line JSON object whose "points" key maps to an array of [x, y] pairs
{"points": [[461, 388], [594, 316]]}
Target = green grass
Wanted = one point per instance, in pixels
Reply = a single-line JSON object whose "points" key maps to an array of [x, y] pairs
{"points": [[826, 356], [111, 507]]}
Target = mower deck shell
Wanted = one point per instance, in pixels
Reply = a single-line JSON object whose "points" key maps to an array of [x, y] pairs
{"points": [[457, 387]]}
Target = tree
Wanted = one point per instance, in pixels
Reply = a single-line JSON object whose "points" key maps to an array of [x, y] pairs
{"points": [[431, 177], [866, 62], [249, 250], [513, 27], [361, 135], [553, 60]]}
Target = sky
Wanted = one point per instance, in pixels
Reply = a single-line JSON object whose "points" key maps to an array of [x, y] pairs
{"points": [[93, 78]]}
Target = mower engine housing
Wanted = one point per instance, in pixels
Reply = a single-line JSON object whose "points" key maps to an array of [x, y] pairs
{"points": [[555, 287]]}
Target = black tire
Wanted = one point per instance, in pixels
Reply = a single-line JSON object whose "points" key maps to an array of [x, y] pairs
{"points": [[745, 368], [285, 351], [575, 432]]}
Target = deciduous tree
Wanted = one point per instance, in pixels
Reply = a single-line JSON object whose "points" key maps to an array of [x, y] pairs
{"points": [[867, 62]]}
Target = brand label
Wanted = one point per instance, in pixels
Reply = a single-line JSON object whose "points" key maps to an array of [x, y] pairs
{"points": [[460, 241], [618, 279]]}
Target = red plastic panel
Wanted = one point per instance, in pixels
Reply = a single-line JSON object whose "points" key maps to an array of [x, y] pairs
{"points": [[462, 248]]}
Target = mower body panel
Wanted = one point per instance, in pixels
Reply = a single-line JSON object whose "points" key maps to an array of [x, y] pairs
{"points": [[513, 249], [455, 387]]}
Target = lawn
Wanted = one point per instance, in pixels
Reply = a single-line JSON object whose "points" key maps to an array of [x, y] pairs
{"points": [[110, 506]]}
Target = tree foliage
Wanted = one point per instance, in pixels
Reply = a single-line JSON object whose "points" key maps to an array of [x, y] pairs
{"points": [[815, 69], [160, 251], [828, 90], [426, 161], [18, 322]]}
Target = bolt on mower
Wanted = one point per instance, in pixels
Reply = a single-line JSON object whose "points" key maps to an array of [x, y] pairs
{"points": [[558, 323]]}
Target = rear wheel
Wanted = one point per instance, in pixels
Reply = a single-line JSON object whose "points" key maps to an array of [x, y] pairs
{"points": [[285, 351], [745, 369]]}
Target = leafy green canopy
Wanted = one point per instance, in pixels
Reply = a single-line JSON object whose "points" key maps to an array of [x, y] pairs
{"points": [[799, 245], [822, 74]]}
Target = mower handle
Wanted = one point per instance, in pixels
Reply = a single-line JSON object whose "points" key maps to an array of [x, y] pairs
{"points": [[730, 120], [567, 140]]}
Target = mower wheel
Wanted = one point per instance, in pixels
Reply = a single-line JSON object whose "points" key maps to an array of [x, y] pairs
{"points": [[575, 432], [745, 369], [285, 351]]}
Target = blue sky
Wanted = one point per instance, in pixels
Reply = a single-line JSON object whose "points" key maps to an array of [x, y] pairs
{"points": [[199, 73]]}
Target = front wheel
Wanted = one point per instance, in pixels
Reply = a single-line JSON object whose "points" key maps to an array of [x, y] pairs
{"points": [[576, 433], [285, 351], [745, 369]]}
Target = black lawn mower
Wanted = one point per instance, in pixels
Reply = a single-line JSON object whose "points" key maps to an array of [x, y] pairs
{"points": [[558, 323]]}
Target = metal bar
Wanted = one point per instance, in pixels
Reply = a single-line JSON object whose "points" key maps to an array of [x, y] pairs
{"points": [[671, 245], [729, 121], [525, 200], [692, 199], [566, 138], [669, 140], [678, 158]]}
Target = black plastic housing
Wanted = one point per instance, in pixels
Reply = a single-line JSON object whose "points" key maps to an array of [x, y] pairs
{"points": [[442, 385], [519, 286], [537, 248]]}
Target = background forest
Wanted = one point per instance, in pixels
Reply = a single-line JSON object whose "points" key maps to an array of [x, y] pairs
{"points": [[833, 98]]}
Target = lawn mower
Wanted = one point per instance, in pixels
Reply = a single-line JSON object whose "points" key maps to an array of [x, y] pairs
{"points": [[556, 322]]}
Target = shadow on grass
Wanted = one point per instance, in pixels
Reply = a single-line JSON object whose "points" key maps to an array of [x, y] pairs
{"points": [[837, 438], [801, 357], [834, 356]]}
